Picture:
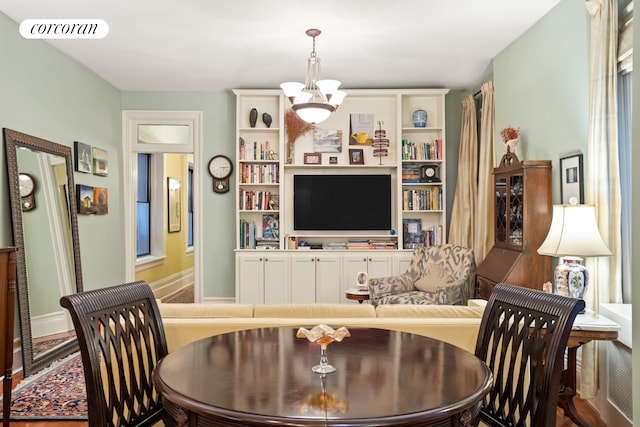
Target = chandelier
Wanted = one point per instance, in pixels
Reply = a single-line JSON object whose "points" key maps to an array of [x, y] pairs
{"points": [[315, 100]]}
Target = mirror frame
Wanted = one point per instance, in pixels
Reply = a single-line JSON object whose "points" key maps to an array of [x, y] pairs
{"points": [[13, 140]]}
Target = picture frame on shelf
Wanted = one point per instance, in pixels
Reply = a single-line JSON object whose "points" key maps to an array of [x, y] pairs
{"points": [[333, 160], [327, 141], [356, 156], [571, 180], [312, 158], [174, 204]]}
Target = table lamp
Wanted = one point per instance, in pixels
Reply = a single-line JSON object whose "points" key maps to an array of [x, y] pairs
{"points": [[573, 234]]}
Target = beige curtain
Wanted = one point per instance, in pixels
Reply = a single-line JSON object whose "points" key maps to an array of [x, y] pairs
{"points": [[484, 232], [602, 174], [461, 231]]}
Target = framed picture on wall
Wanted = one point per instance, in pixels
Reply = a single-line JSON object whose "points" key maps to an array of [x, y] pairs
{"points": [[174, 208], [571, 180], [83, 160]]}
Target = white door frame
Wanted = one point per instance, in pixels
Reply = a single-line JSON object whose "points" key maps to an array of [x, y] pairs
{"points": [[130, 147]]}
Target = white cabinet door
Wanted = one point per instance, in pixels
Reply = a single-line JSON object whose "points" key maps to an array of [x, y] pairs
{"points": [[379, 265], [402, 262], [352, 264], [303, 278], [373, 263], [328, 283], [276, 279], [250, 278]]}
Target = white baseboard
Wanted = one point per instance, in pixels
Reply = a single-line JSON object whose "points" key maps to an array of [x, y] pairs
{"points": [[172, 284], [50, 324], [219, 300]]}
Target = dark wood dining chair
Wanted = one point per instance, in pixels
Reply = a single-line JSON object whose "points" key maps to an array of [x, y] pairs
{"points": [[522, 339], [121, 340]]}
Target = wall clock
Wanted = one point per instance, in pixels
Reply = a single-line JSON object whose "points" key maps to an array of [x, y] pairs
{"points": [[430, 173], [27, 189], [220, 169]]}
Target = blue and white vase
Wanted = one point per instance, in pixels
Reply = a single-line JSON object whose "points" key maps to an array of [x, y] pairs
{"points": [[420, 118]]}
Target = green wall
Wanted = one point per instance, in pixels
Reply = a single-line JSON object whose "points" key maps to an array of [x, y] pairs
{"points": [[541, 86], [49, 95], [218, 110]]}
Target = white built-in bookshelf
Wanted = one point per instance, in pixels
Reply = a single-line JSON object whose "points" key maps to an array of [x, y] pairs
{"points": [[265, 172]]}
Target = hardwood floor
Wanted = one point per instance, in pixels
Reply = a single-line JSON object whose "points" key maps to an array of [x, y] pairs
{"points": [[586, 410]]}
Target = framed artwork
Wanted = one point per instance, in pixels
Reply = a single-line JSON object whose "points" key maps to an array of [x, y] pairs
{"points": [[84, 194], [327, 141], [361, 129], [100, 200], [174, 204], [356, 156], [100, 162], [82, 158], [312, 158], [571, 180], [333, 160]]}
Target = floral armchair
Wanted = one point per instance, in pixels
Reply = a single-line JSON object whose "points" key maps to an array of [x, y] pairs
{"points": [[444, 274]]}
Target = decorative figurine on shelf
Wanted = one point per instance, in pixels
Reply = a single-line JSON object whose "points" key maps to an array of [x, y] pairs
{"points": [[267, 119], [419, 118], [380, 142], [510, 137], [253, 117], [323, 335]]}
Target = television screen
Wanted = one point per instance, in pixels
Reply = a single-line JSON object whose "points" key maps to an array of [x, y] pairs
{"points": [[342, 202]]}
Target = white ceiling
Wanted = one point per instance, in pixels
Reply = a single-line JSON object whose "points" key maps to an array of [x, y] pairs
{"points": [[214, 45]]}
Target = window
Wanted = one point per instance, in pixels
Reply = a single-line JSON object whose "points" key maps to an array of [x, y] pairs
{"points": [[190, 207], [143, 206], [625, 67]]}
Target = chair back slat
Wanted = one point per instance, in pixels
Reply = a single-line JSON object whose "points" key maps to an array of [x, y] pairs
{"points": [[522, 338], [121, 340]]}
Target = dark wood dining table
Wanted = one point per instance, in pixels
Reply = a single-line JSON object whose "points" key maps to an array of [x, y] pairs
{"points": [[263, 377]]}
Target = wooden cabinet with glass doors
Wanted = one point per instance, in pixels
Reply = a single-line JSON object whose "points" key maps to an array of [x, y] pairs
{"points": [[522, 209]]}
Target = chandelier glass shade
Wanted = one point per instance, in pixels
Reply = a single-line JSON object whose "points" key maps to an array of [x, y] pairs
{"points": [[316, 99]]}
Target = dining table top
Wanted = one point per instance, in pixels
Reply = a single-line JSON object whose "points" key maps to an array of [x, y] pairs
{"points": [[263, 376]]}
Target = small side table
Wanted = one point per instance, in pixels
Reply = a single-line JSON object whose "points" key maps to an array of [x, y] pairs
{"points": [[358, 294], [587, 327]]}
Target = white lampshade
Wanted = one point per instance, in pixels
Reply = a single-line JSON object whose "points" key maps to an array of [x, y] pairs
{"points": [[312, 112], [574, 232], [292, 89]]}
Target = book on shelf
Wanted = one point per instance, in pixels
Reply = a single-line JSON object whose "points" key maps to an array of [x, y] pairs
{"points": [[412, 233], [247, 234], [336, 245], [255, 150], [267, 243], [271, 226], [422, 150]]}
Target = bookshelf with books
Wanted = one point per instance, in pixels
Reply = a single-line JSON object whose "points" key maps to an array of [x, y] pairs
{"points": [[267, 164], [423, 166], [258, 142]]}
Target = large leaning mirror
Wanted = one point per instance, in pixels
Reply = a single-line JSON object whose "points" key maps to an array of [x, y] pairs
{"points": [[45, 229]]}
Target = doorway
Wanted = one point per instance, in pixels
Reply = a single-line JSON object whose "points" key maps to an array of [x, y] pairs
{"points": [[172, 142]]}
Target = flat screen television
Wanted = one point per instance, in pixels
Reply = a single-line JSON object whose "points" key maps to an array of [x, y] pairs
{"points": [[342, 202]]}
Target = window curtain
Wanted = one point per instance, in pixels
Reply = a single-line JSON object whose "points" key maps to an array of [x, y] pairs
{"points": [[461, 231], [484, 231], [602, 177]]}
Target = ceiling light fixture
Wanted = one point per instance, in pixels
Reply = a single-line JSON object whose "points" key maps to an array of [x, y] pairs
{"points": [[315, 100]]}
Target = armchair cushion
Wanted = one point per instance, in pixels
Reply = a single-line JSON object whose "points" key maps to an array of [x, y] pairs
{"points": [[434, 277]]}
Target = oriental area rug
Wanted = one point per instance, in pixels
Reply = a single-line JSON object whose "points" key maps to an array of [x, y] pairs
{"points": [[56, 393]]}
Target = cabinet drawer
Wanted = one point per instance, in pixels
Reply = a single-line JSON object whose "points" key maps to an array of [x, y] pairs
{"points": [[485, 287]]}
